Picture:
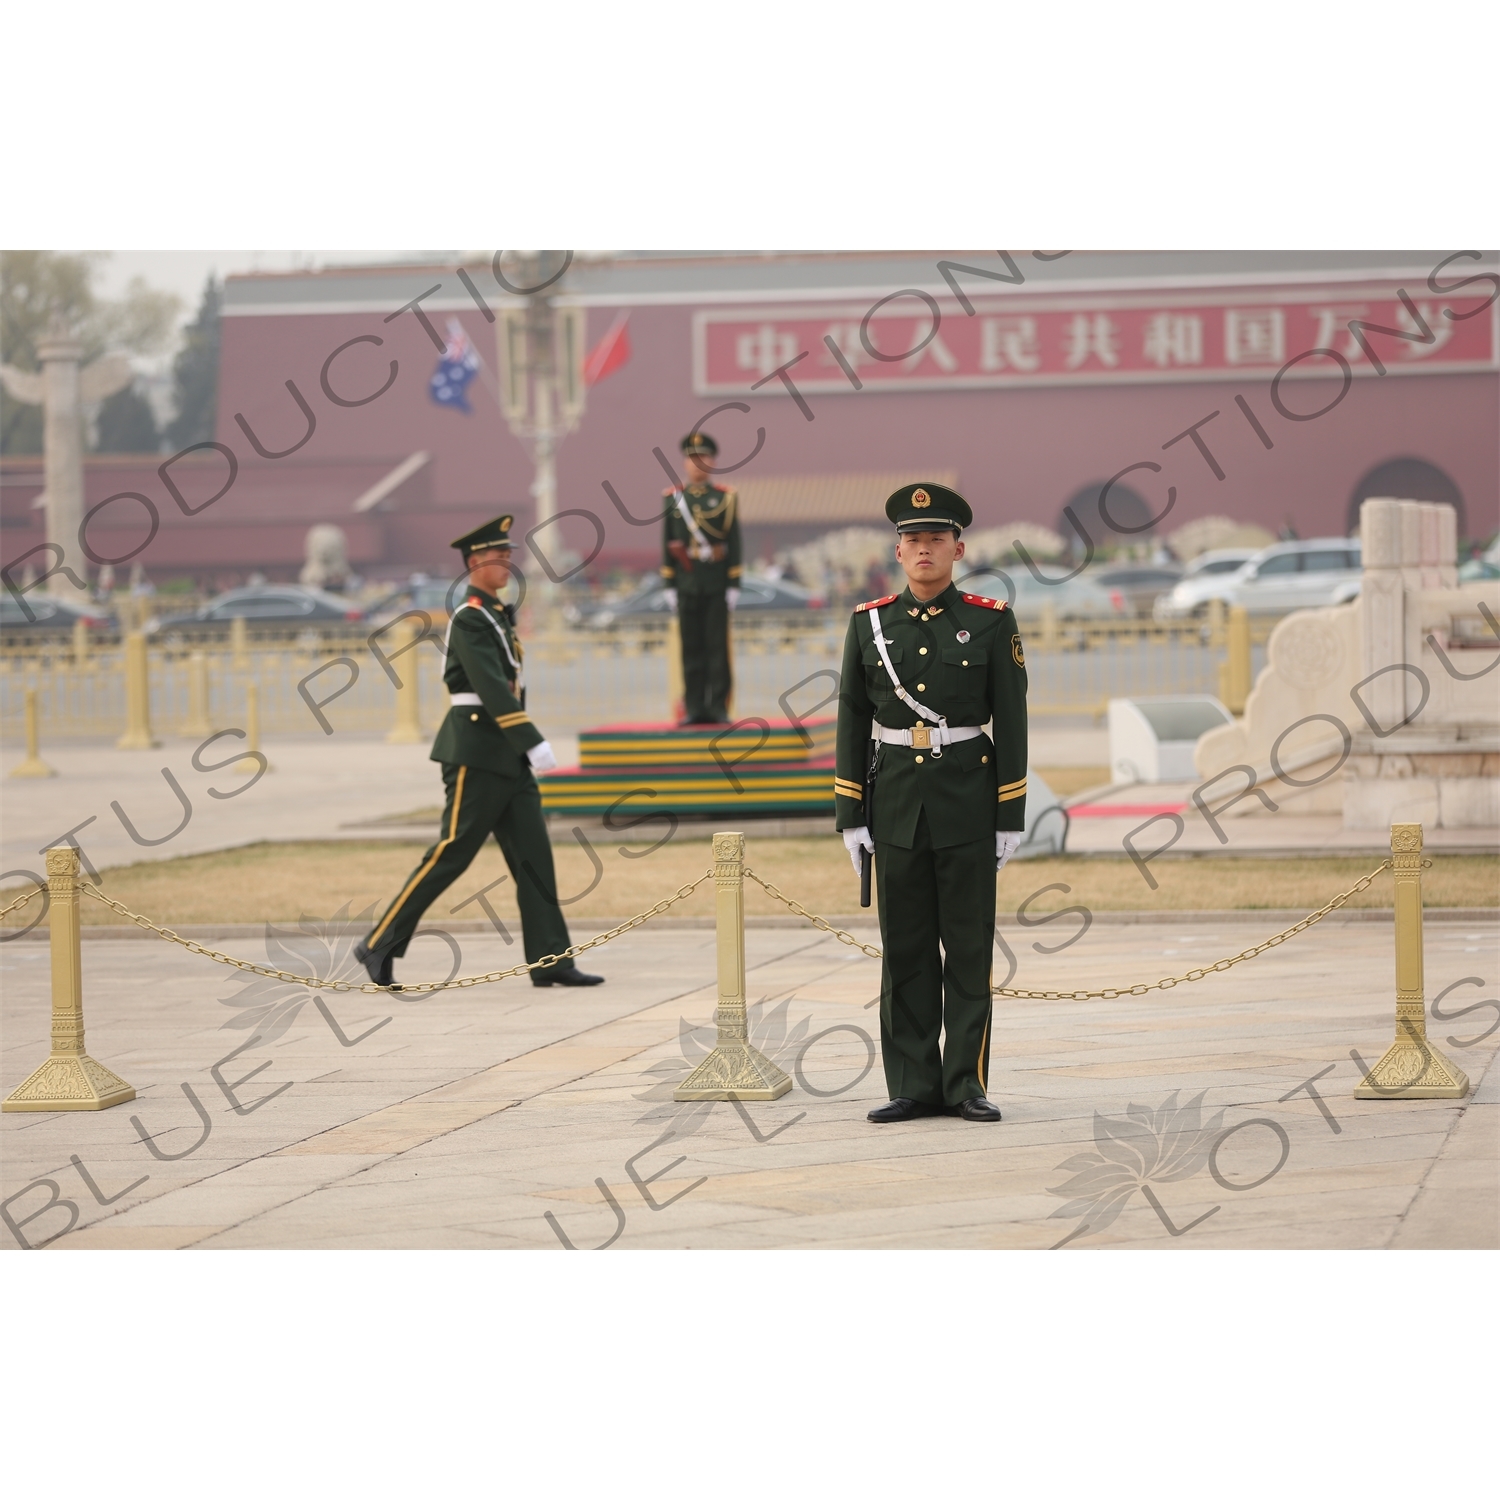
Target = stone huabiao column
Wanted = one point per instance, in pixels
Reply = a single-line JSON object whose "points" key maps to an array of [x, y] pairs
{"points": [[61, 389]]}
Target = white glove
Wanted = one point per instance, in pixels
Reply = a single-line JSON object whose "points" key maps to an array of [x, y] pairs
{"points": [[1006, 844], [731, 598], [670, 595], [856, 839], [541, 757]]}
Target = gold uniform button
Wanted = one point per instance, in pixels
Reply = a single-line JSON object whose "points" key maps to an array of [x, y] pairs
{"points": [[921, 687], [922, 651], [919, 760], [984, 760], [966, 664], [473, 718]]}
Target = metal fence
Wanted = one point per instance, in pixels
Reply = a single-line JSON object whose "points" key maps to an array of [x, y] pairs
{"points": [[575, 678]]}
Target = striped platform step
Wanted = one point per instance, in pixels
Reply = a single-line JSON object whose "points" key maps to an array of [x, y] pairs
{"points": [[752, 742], [750, 788]]}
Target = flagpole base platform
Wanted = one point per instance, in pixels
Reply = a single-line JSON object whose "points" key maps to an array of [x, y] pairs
{"points": [[733, 1070], [69, 1081]]}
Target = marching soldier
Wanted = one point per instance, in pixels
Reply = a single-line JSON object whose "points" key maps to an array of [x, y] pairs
{"points": [[701, 566], [489, 750], [924, 671]]}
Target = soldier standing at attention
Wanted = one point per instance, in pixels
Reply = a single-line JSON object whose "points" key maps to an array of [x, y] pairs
{"points": [[701, 566], [924, 671], [489, 749]]}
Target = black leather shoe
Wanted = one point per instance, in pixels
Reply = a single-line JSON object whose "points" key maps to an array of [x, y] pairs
{"points": [[573, 978], [377, 965], [977, 1109], [902, 1109]]}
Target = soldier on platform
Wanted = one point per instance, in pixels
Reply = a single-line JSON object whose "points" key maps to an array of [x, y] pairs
{"points": [[701, 567], [924, 671], [489, 750]]}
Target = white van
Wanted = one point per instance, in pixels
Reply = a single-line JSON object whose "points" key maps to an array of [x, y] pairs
{"points": [[1298, 575]]}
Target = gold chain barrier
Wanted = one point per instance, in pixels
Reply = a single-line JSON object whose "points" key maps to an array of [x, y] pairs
{"points": [[368, 988], [1109, 994]]}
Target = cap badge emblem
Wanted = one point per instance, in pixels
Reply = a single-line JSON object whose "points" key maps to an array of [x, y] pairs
{"points": [[921, 499]]}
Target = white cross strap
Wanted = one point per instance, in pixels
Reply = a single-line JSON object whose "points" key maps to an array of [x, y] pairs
{"points": [[885, 657]]}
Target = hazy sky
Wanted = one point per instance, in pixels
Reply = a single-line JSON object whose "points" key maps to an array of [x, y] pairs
{"points": [[184, 271]]}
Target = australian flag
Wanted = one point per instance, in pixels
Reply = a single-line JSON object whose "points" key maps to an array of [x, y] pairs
{"points": [[449, 385]]}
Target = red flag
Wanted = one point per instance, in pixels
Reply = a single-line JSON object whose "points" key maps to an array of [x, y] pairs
{"points": [[612, 351]]}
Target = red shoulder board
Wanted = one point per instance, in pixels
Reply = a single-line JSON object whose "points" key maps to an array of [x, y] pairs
{"points": [[475, 599], [982, 602], [875, 603]]}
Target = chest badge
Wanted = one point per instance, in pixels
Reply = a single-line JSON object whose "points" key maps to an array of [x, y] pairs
{"points": [[963, 637]]}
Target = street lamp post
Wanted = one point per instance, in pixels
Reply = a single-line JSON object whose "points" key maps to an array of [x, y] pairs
{"points": [[541, 380]]}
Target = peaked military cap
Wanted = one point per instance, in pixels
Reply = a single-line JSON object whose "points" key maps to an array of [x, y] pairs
{"points": [[700, 442], [928, 507], [494, 533]]}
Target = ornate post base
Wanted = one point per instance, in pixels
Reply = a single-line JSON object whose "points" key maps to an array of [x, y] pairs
{"points": [[734, 1069], [69, 1082], [1413, 1070]]}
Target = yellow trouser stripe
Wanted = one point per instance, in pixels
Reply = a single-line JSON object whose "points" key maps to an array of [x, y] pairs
{"points": [[984, 1082], [416, 880], [1010, 786], [1011, 796]]}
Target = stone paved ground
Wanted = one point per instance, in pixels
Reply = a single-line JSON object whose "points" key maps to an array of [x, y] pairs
{"points": [[508, 1116]]}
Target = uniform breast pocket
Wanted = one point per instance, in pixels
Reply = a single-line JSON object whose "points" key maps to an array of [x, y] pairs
{"points": [[965, 672], [876, 676]]}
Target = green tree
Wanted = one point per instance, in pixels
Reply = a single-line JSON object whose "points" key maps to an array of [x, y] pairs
{"points": [[195, 373], [43, 289], [126, 424]]}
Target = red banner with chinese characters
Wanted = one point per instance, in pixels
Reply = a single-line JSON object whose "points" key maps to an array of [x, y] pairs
{"points": [[922, 341]]}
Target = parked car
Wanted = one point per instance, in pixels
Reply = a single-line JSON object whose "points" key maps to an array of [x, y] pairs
{"points": [[438, 597], [1080, 598], [1140, 584], [757, 595], [267, 604], [51, 612], [1206, 578], [1298, 575]]}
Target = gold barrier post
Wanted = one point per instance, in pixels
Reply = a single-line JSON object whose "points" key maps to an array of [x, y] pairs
{"points": [[33, 765], [1216, 635], [734, 1069], [80, 644], [1234, 672], [70, 1078], [239, 638], [1049, 636], [407, 730], [137, 734], [246, 763], [197, 722], [1412, 1067], [676, 686]]}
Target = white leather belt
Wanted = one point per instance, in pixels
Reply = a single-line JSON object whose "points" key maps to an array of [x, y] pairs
{"points": [[924, 736], [465, 700]]}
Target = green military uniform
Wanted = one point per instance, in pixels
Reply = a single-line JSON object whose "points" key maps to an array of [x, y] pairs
{"points": [[491, 789], [937, 808], [702, 561]]}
